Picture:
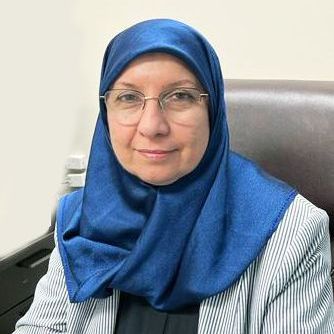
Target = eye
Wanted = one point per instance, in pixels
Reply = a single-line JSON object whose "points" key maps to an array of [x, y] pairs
{"points": [[129, 97], [181, 95]]}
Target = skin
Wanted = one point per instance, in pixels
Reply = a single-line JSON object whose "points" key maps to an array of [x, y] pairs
{"points": [[155, 150]]}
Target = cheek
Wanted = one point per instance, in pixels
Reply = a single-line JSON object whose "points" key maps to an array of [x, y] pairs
{"points": [[201, 142], [121, 138], [196, 144], [202, 134]]}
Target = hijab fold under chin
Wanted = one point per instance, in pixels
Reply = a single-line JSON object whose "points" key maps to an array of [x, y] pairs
{"points": [[178, 244]]}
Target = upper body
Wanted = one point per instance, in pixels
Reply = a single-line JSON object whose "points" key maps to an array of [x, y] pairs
{"points": [[285, 290], [169, 214]]}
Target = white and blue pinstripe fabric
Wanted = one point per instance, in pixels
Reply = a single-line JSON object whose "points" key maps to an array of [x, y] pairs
{"points": [[287, 289]]}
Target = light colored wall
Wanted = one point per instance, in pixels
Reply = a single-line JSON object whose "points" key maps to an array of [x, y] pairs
{"points": [[51, 53]]}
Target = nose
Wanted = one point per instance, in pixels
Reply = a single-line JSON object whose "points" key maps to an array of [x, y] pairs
{"points": [[153, 121]]}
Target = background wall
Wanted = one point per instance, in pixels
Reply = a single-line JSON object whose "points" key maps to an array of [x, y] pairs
{"points": [[51, 53]]}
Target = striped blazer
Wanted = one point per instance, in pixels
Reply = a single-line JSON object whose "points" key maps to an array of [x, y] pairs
{"points": [[287, 289]]}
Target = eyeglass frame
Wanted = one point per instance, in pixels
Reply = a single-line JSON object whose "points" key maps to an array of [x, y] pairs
{"points": [[146, 98]]}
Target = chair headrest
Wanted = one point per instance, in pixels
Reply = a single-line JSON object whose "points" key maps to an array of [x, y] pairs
{"points": [[287, 127]]}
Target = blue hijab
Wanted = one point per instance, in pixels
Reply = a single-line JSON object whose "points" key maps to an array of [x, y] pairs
{"points": [[178, 244]]}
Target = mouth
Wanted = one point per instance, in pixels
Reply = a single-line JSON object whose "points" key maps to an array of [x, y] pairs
{"points": [[155, 154]]}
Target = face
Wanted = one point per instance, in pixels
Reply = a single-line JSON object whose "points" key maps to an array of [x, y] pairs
{"points": [[156, 149]]}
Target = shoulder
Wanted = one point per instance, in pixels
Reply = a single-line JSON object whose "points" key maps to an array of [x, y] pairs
{"points": [[302, 230], [297, 250], [72, 199], [303, 223], [69, 205], [298, 256], [299, 261]]}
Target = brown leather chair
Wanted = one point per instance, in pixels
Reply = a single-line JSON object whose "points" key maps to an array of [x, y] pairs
{"points": [[287, 127]]}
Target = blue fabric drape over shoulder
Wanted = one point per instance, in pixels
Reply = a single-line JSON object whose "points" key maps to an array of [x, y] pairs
{"points": [[177, 244]]}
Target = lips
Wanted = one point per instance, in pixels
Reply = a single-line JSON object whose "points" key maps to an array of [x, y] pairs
{"points": [[155, 151], [155, 154]]}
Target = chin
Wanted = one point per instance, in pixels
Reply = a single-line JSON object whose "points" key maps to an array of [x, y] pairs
{"points": [[158, 180]]}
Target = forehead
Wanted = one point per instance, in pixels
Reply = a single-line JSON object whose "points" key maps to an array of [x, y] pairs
{"points": [[157, 67], [157, 57]]}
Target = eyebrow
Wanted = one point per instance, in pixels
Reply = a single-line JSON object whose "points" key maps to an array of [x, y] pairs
{"points": [[174, 84]]}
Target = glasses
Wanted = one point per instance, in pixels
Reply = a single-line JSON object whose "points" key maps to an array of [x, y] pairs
{"points": [[178, 105]]}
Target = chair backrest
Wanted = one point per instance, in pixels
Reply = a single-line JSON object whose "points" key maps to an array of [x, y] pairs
{"points": [[287, 127]]}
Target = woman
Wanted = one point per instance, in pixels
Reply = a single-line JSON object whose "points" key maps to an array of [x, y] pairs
{"points": [[173, 233]]}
